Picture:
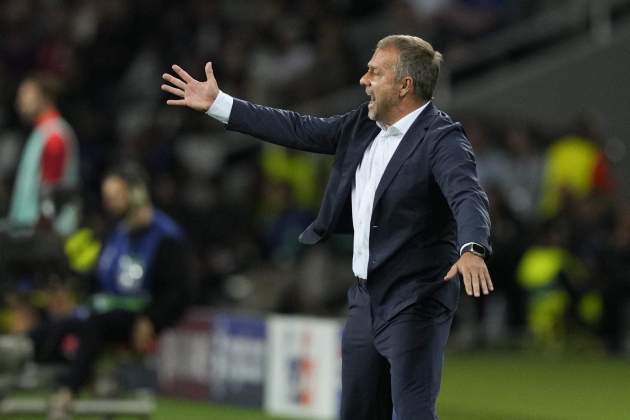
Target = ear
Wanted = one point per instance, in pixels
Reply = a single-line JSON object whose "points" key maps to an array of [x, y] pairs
{"points": [[406, 86]]}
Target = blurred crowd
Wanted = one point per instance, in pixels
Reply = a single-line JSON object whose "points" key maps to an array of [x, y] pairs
{"points": [[561, 236], [560, 232]]}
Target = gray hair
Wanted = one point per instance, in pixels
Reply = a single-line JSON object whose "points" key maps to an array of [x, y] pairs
{"points": [[416, 59]]}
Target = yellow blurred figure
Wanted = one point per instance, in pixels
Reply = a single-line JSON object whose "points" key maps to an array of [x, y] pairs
{"points": [[548, 273], [574, 165]]}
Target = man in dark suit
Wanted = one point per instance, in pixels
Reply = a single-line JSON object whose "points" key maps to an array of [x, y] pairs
{"points": [[404, 181]]}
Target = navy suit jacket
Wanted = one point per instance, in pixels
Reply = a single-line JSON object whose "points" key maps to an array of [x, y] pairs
{"points": [[427, 204]]}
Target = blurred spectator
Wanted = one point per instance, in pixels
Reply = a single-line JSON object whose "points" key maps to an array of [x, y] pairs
{"points": [[47, 181], [560, 294], [109, 55], [141, 286], [575, 168]]}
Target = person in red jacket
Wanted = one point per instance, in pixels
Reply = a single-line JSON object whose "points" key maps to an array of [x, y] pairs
{"points": [[48, 173]]}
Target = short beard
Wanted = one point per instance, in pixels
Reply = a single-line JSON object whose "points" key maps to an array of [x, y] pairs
{"points": [[371, 115], [387, 104]]}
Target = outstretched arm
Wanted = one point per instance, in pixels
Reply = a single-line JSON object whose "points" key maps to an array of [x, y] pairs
{"points": [[286, 128]]}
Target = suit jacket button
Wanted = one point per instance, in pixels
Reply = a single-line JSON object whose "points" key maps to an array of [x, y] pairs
{"points": [[375, 227]]}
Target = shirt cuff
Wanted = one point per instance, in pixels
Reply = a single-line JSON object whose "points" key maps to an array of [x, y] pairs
{"points": [[465, 245], [221, 107]]}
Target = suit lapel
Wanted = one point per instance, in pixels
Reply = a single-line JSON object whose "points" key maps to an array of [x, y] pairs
{"points": [[355, 153], [408, 144], [351, 161]]}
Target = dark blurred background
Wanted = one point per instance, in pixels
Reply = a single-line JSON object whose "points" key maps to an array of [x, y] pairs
{"points": [[540, 86]]}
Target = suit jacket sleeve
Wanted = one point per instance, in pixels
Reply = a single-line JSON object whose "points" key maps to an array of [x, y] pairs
{"points": [[287, 128], [454, 169]]}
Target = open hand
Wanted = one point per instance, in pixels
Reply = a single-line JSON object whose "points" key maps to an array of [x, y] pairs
{"points": [[192, 93], [474, 274]]}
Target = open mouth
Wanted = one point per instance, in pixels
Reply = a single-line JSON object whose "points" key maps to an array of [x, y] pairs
{"points": [[372, 99]]}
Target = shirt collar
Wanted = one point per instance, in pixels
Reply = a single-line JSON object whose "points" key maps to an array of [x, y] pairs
{"points": [[400, 127]]}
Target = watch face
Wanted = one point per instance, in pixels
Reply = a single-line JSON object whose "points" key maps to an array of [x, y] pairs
{"points": [[478, 249]]}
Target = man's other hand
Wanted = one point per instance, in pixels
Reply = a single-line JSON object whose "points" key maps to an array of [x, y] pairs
{"points": [[474, 274], [192, 93]]}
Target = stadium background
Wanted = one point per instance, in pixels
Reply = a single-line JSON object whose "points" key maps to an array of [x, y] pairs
{"points": [[532, 81]]}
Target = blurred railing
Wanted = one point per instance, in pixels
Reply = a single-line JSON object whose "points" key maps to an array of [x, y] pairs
{"points": [[553, 26]]}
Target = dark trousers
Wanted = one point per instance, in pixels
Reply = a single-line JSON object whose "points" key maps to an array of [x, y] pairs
{"points": [[399, 365], [93, 335]]}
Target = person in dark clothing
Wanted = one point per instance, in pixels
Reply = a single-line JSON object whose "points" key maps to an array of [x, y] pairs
{"points": [[139, 283]]}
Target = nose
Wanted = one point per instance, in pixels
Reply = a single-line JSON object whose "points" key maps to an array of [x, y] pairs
{"points": [[363, 81]]}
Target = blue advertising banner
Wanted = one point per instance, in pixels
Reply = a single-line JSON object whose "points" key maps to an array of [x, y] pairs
{"points": [[237, 360]]}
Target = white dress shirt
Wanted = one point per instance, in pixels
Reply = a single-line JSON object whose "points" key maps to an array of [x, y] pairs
{"points": [[366, 179], [221, 108]]}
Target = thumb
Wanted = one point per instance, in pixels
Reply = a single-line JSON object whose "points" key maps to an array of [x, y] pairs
{"points": [[209, 71], [451, 273]]}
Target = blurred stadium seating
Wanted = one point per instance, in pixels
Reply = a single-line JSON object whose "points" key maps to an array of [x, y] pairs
{"points": [[541, 87]]}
